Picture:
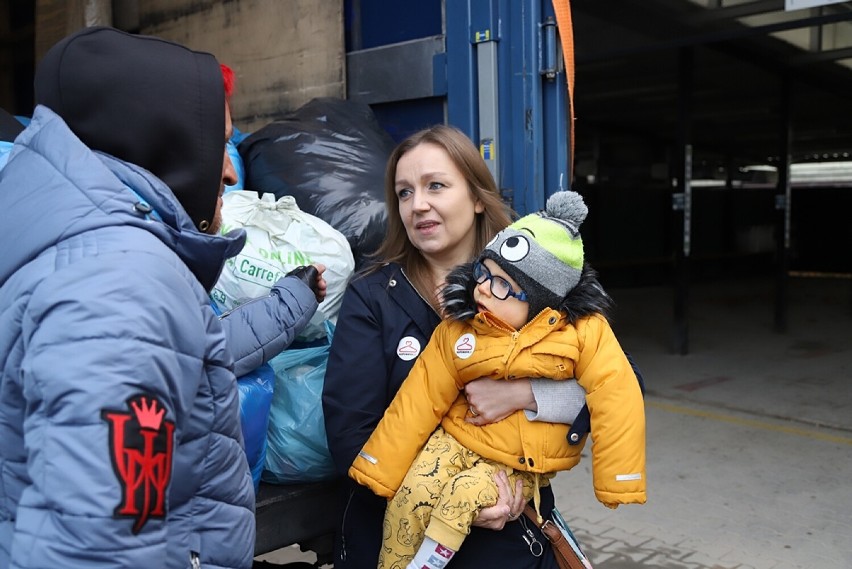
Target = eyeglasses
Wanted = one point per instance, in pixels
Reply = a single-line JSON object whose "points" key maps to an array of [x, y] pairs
{"points": [[500, 287]]}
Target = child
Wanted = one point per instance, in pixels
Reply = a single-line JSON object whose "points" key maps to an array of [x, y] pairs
{"points": [[528, 307]]}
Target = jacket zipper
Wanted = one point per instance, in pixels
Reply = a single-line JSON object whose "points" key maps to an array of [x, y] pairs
{"points": [[511, 351], [515, 334], [194, 560], [429, 304], [343, 526], [253, 300]]}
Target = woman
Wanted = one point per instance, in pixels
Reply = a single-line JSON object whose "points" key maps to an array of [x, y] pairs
{"points": [[443, 207]]}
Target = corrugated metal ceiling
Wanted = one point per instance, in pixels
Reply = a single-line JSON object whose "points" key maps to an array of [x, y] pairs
{"points": [[750, 64]]}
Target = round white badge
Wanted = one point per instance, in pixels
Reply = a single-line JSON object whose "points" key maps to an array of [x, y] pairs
{"points": [[408, 348], [465, 345]]}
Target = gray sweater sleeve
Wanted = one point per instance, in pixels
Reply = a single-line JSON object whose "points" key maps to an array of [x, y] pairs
{"points": [[260, 329], [558, 401]]}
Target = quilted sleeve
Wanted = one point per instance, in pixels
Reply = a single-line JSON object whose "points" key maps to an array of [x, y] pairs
{"points": [[416, 410], [617, 416], [259, 330], [113, 359]]}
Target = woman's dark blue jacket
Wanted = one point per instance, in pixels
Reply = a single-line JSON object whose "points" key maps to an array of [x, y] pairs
{"points": [[381, 312]]}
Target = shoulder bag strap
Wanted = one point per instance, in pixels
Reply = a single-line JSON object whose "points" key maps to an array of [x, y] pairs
{"points": [[565, 556]]}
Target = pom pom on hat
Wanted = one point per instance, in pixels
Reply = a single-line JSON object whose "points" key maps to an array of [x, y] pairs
{"points": [[543, 251], [568, 207]]}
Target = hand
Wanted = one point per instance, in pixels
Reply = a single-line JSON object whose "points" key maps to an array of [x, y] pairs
{"points": [[491, 401], [311, 275], [509, 506]]}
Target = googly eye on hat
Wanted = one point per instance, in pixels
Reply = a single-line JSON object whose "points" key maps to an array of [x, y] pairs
{"points": [[543, 251]]}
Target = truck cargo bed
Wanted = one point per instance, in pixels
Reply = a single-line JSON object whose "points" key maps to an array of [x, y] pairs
{"points": [[297, 513]]}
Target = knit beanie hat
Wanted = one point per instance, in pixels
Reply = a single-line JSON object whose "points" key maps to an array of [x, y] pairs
{"points": [[543, 251]]}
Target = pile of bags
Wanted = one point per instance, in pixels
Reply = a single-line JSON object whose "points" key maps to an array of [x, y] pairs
{"points": [[330, 155], [310, 190], [280, 237]]}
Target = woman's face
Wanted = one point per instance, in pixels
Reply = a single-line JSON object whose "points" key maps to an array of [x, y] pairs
{"points": [[437, 208]]}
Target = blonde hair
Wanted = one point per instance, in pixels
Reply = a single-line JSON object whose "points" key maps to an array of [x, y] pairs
{"points": [[495, 215]]}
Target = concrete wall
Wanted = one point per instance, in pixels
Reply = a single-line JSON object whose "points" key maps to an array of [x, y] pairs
{"points": [[55, 19], [284, 52]]}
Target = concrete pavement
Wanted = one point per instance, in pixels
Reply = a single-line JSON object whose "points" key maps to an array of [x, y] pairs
{"points": [[749, 435]]}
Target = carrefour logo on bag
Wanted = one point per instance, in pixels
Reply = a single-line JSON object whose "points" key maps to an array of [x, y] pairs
{"points": [[256, 271], [260, 271]]}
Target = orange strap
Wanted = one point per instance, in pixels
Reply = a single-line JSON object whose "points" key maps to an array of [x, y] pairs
{"points": [[566, 34]]}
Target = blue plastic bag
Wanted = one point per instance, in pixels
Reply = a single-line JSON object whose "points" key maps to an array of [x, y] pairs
{"points": [[255, 402], [236, 160], [5, 149], [297, 450]]}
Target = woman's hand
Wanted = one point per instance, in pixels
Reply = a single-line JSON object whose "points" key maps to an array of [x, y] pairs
{"points": [[491, 401], [509, 506]]}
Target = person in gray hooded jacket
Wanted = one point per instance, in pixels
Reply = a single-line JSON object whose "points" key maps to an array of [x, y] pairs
{"points": [[120, 440]]}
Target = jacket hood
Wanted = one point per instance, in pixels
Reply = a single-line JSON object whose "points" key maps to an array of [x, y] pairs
{"points": [[587, 298], [54, 188], [146, 101]]}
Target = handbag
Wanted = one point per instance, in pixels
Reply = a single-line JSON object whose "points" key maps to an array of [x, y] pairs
{"points": [[564, 544]]}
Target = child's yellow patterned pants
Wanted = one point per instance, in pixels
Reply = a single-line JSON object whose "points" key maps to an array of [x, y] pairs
{"points": [[443, 492]]}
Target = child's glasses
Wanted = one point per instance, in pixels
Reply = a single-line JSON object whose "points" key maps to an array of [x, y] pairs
{"points": [[500, 287]]}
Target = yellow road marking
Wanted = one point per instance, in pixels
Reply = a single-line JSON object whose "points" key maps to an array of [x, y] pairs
{"points": [[808, 433]]}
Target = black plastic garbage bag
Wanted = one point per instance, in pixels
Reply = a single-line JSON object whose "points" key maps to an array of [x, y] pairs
{"points": [[330, 155], [9, 126]]}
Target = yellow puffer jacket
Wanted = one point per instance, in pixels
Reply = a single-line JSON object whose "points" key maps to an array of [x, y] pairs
{"points": [[548, 346]]}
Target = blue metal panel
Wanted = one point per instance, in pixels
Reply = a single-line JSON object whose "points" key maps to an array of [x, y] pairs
{"points": [[531, 145], [461, 68], [533, 142], [555, 109], [375, 23], [524, 117], [407, 117], [372, 23]]}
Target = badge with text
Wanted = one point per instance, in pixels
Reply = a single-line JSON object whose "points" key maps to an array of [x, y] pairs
{"points": [[141, 448], [465, 346], [408, 348]]}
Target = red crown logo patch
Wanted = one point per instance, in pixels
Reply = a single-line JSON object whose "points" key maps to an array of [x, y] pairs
{"points": [[141, 447], [147, 415]]}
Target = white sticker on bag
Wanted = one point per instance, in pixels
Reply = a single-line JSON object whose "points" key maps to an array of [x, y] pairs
{"points": [[465, 346], [408, 348]]}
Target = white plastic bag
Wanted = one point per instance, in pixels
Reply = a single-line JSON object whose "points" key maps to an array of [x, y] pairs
{"points": [[281, 237]]}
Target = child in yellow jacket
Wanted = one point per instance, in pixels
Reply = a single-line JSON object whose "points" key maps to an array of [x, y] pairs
{"points": [[528, 307]]}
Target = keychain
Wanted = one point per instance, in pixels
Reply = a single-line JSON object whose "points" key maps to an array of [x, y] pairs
{"points": [[536, 548]]}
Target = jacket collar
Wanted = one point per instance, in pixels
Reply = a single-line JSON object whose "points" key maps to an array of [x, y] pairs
{"points": [[80, 190], [404, 295], [544, 323]]}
